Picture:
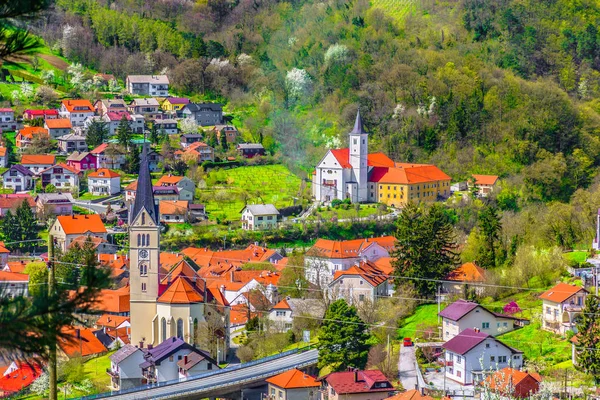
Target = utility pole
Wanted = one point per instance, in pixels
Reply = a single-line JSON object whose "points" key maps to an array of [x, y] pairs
{"points": [[52, 370]]}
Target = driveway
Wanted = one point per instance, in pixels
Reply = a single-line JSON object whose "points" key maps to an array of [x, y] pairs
{"points": [[407, 368]]}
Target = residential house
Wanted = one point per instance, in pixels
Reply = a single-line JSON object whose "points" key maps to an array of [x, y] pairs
{"points": [[19, 377], [174, 105], [113, 120], [103, 182], [62, 176], [114, 301], [230, 132], [40, 114], [161, 363], [68, 227], [197, 152], [250, 150], [58, 127], [48, 204], [147, 85], [472, 354], [99, 245], [561, 306], [82, 161], [146, 107], [104, 106], [205, 114], [196, 363], [113, 339], [356, 385], [79, 342], [485, 184], [161, 193], [189, 138], [187, 188], [7, 120], [154, 159], [169, 126], [174, 211], [37, 163], [13, 284], [282, 315], [17, 178], [10, 202], [511, 383], [359, 283], [3, 157], [25, 136], [72, 143], [113, 321], [125, 371], [111, 157], [259, 216], [197, 212], [4, 253], [467, 276], [220, 263], [463, 314], [327, 256], [77, 111], [412, 394], [293, 385]]}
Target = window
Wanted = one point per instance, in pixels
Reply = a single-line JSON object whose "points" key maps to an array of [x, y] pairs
{"points": [[179, 357], [501, 359], [143, 270], [260, 218], [492, 358], [548, 310], [451, 370], [458, 373], [517, 357], [180, 328], [280, 313], [487, 345], [485, 325], [361, 297], [171, 358], [450, 356], [144, 287], [209, 366], [163, 324], [505, 324], [458, 359]]}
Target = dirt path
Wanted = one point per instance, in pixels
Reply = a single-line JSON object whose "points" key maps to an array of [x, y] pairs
{"points": [[55, 61]]}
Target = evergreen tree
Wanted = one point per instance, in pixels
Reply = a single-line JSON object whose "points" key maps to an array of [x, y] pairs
{"points": [[425, 247], [343, 338], [124, 132], [28, 226], [97, 133], [490, 228], [224, 143], [11, 230], [588, 329], [132, 161], [154, 134]]}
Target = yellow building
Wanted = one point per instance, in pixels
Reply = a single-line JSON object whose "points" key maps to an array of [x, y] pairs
{"points": [[396, 186], [174, 104]]}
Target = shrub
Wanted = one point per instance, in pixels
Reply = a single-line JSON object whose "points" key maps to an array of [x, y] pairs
{"points": [[335, 203]]}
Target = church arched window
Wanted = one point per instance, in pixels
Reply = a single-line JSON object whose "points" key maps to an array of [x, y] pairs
{"points": [[143, 240], [163, 324], [195, 338], [143, 218], [143, 270], [180, 328], [139, 239], [147, 239]]}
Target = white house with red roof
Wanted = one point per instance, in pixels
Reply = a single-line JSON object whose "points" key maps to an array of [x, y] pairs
{"points": [[472, 354], [328, 256], [13, 284], [561, 306], [293, 385], [356, 385], [62, 176], [103, 182], [112, 158], [68, 227], [485, 184], [361, 282], [77, 111]]}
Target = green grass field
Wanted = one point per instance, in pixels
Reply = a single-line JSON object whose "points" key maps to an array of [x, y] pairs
{"points": [[425, 316], [227, 188], [95, 369], [340, 213], [397, 9], [577, 256]]}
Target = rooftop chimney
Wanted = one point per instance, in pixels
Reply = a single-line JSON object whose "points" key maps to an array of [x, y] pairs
{"points": [[355, 375], [150, 347], [185, 359], [141, 345]]}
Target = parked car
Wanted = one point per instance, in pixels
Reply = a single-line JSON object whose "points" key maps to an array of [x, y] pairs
{"points": [[407, 342]]}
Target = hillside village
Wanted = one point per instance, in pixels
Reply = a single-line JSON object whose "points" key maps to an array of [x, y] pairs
{"points": [[197, 231]]}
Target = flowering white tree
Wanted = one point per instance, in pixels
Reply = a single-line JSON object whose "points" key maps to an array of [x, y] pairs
{"points": [[337, 54], [188, 125], [26, 91], [76, 72], [15, 95], [48, 76], [41, 385], [113, 85], [398, 111], [68, 34], [298, 83], [244, 59]]}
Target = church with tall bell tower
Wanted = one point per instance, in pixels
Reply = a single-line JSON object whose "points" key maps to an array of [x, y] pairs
{"points": [[163, 303]]}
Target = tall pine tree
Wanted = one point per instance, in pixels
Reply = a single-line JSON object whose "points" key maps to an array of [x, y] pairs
{"points": [[97, 133], [132, 161], [588, 336], [425, 247], [124, 132], [28, 226], [343, 338], [490, 227]]}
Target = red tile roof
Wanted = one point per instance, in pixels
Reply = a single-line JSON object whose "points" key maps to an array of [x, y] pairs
{"points": [[293, 379], [6, 276], [173, 207], [71, 104], [513, 383], [114, 301], [468, 272], [64, 166], [561, 292], [112, 321], [2, 151], [13, 201], [366, 270], [282, 305], [181, 292], [58, 123], [348, 248], [485, 179], [349, 382], [80, 224], [410, 395], [85, 345], [17, 266], [373, 160], [19, 379], [408, 175], [104, 173], [29, 131], [34, 159], [169, 180]]}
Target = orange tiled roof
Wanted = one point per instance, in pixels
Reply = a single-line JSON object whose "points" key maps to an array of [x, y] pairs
{"points": [[169, 180], [63, 166], [217, 296], [468, 272], [86, 345], [385, 265], [173, 207], [33, 159], [224, 260], [373, 159], [348, 248], [71, 104], [16, 266], [29, 131], [115, 261], [282, 305], [2, 151], [366, 270], [114, 301], [182, 268], [485, 179], [181, 292], [513, 382], [293, 379], [168, 260], [6, 276], [58, 123], [80, 241], [111, 320], [238, 315], [21, 378], [561, 292], [410, 395], [225, 284], [104, 173], [411, 174], [132, 186], [80, 224]]}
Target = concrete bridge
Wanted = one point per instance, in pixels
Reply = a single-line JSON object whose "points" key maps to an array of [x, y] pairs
{"points": [[227, 382]]}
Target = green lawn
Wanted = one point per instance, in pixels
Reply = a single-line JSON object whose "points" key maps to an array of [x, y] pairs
{"points": [[365, 211], [227, 188], [95, 369], [395, 8], [577, 256], [89, 196], [425, 316], [528, 301]]}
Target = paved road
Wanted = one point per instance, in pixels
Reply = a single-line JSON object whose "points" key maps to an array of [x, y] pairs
{"points": [[407, 367], [97, 208], [226, 380]]}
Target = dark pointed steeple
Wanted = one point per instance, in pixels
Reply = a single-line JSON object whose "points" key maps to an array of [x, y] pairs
{"points": [[359, 129], [144, 197]]}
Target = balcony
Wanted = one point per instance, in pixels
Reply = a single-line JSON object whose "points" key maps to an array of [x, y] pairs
{"points": [[112, 373], [573, 307]]}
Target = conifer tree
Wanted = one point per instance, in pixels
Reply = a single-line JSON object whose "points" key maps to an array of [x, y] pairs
{"points": [[96, 134], [124, 132], [490, 228], [588, 336]]}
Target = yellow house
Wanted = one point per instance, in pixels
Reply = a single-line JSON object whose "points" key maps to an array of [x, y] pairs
{"points": [[174, 104], [396, 186]]}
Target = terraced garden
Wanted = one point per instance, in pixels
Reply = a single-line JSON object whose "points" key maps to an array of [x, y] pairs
{"points": [[228, 190], [397, 9]]}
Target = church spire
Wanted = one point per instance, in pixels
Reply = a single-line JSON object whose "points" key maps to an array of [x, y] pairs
{"points": [[144, 197], [359, 129]]}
